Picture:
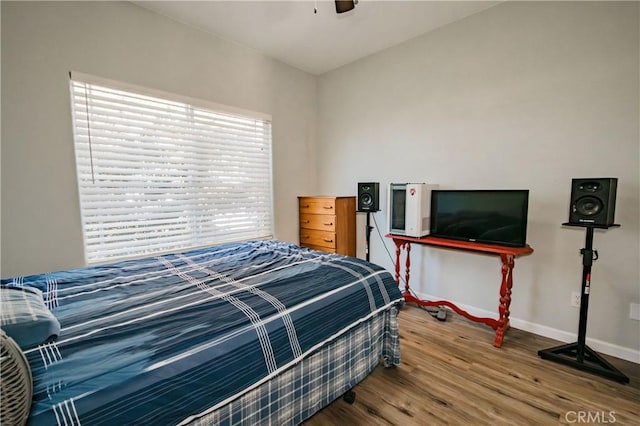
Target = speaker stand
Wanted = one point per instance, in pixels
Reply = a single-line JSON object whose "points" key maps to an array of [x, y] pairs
{"points": [[367, 236], [578, 354]]}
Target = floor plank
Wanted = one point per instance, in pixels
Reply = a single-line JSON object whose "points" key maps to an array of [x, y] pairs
{"points": [[452, 374]]}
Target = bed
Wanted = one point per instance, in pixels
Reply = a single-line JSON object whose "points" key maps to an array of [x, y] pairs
{"points": [[241, 333]]}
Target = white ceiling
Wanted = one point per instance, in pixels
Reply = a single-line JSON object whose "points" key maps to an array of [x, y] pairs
{"points": [[290, 31]]}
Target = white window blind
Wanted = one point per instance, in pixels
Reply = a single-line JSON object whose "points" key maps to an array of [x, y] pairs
{"points": [[158, 175]]}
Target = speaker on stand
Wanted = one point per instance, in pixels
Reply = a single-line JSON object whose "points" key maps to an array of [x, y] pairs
{"points": [[592, 206], [368, 201], [593, 201]]}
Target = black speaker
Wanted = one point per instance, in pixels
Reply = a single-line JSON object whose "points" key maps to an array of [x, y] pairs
{"points": [[368, 196], [593, 201]]}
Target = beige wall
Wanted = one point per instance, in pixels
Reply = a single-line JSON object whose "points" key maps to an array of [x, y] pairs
{"points": [[522, 95], [42, 42]]}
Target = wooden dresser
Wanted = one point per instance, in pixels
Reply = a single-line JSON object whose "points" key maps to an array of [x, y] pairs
{"points": [[328, 224]]}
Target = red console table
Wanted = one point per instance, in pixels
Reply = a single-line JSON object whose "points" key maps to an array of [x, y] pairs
{"points": [[507, 256]]}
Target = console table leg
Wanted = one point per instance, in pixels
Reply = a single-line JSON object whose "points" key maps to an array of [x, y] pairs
{"points": [[399, 246], [505, 298], [398, 249], [407, 266]]}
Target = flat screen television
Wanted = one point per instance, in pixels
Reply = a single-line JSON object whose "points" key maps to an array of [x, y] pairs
{"points": [[484, 216]]}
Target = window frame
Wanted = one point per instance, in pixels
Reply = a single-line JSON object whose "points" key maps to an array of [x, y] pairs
{"points": [[196, 103]]}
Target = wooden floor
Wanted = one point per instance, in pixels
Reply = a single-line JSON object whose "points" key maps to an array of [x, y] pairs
{"points": [[452, 374]]}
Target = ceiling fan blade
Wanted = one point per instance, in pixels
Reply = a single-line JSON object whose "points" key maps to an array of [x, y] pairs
{"points": [[343, 6]]}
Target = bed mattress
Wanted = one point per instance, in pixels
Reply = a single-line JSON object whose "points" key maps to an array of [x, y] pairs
{"points": [[157, 340]]}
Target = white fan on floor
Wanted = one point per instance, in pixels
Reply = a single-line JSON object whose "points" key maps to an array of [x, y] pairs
{"points": [[16, 389]]}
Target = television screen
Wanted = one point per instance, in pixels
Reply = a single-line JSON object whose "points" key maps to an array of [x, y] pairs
{"points": [[484, 216]]}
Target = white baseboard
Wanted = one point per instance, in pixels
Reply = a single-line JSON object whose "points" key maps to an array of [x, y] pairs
{"points": [[617, 351]]}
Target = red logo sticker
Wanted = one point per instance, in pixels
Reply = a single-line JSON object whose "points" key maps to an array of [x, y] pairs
{"points": [[412, 191]]}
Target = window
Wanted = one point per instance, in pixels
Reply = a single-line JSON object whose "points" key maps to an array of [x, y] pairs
{"points": [[159, 173]]}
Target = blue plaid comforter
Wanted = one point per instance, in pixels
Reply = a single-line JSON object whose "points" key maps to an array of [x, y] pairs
{"points": [[156, 340]]}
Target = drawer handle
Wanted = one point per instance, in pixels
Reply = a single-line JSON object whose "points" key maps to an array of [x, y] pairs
{"points": [[328, 240], [304, 236], [306, 206], [327, 207], [328, 224], [305, 221]]}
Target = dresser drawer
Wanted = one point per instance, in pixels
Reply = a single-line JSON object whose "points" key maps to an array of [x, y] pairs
{"points": [[322, 222], [317, 205], [318, 238], [312, 247]]}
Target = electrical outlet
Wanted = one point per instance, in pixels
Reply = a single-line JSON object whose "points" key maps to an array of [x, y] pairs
{"points": [[575, 299]]}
